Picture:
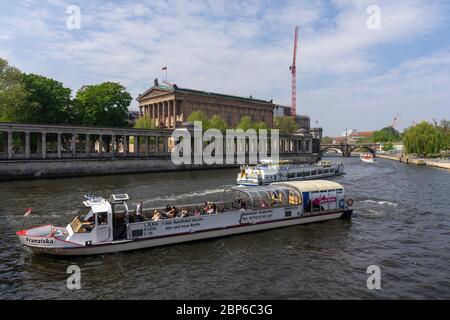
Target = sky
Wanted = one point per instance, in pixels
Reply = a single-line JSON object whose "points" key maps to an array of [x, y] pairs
{"points": [[360, 63]]}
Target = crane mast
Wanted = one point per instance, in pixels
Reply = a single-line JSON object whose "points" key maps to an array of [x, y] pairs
{"points": [[293, 69]]}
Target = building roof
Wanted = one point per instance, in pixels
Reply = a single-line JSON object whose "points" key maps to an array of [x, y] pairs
{"points": [[175, 89], [361, 134]]}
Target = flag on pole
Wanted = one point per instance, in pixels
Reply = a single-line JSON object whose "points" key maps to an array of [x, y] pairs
{"points": [[164, 68], [27, 212]]}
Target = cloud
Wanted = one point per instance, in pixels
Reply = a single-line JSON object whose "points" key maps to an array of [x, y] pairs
{"points": [[234, 47]]}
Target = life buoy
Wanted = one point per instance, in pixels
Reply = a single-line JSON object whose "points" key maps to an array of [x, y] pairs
{"points": [[349, 201]]}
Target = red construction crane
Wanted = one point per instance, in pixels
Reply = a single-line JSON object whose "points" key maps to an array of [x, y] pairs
{"points": [[293, 69]]}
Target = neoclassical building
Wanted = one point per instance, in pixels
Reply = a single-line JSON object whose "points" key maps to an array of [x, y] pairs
{"points": [[170, 106]]}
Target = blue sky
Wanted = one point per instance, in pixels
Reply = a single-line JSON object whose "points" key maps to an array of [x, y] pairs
{"points": [[348, 75]]}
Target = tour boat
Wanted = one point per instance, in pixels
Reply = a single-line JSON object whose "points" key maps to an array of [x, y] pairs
{"points": [[104, 226], [267, 171], [366, 157]]}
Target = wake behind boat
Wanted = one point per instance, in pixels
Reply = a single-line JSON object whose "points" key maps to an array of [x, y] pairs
{"points": [[267, 171], [104, 226]]}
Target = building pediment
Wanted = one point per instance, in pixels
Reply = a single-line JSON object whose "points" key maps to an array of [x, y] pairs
{"points": [[154, 92]]}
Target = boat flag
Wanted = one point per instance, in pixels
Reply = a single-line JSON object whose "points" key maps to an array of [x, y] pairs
{"points": [[164, 68], [27, 212]]}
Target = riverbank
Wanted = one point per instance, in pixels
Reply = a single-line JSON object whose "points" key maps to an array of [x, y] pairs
{"points": [[417, 161]]}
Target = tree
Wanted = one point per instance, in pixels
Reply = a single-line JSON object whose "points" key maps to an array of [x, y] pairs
{"points": [[48, 101], [12, 93], [245, 123], [144, 122], [105, 104], [285, 124], [218, 123], [327, 140], [199, 116], [385, 135], [388, 147], [424, 139]]}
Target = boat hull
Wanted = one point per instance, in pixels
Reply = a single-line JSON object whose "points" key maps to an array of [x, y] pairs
{"points": [[127, 245]]}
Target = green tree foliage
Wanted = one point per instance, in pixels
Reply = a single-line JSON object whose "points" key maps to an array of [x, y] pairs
{"points": [[105, 104], [199, 116], [388, 147], [285, 124], [423, 139], [245, 123], [48, 101], [12, 93], [144, 122], [444, 127], [218, 123], [326, 140], [386, 134]]}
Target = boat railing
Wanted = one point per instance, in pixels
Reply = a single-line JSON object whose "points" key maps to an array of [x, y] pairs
{"points": [[221, 208]]}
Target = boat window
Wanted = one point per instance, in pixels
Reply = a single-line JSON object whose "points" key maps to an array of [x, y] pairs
{"points": [[320, 171], [326, 171], [294, 198], [314, 172], [84, 221], [102, 217], [307, 174], [291, 175]]}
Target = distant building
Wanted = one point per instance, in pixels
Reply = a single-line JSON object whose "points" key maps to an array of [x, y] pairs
{"points": [[170, 106], [358, 136], [353, 137]]}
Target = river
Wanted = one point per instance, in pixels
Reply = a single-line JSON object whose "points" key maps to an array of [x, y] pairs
{"points": [[401, 224]]}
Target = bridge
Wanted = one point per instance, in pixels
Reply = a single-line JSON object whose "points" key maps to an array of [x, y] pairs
{"points": [[347, 148]]}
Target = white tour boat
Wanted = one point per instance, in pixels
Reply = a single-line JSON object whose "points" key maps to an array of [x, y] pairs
{"points": [[267, 171], [366, 157], [110, 226]]}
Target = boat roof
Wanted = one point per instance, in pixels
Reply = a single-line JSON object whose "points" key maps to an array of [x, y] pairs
{"points": [[312, 185]]}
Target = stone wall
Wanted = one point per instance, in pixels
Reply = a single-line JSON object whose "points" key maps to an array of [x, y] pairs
{"points": [[13, 170]]}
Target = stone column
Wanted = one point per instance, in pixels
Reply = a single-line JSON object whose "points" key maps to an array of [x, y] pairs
{"points": [[59, 147], [165, 144], [44, 144], [100, 144], [169, 106], [10, 145], [113, 145], [153, 116], [73, 145], [125, 145], [27, 145], [88, 145], [158, 115], [136, 145]]}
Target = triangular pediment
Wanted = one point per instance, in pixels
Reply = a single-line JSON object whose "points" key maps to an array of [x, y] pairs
{"points": [[154, 92]]}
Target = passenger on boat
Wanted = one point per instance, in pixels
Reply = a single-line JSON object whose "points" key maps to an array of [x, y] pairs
{"points": [[156, 215], [171, 212], [264, 205], [184, 213], [210, 208], [139, 215]]}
